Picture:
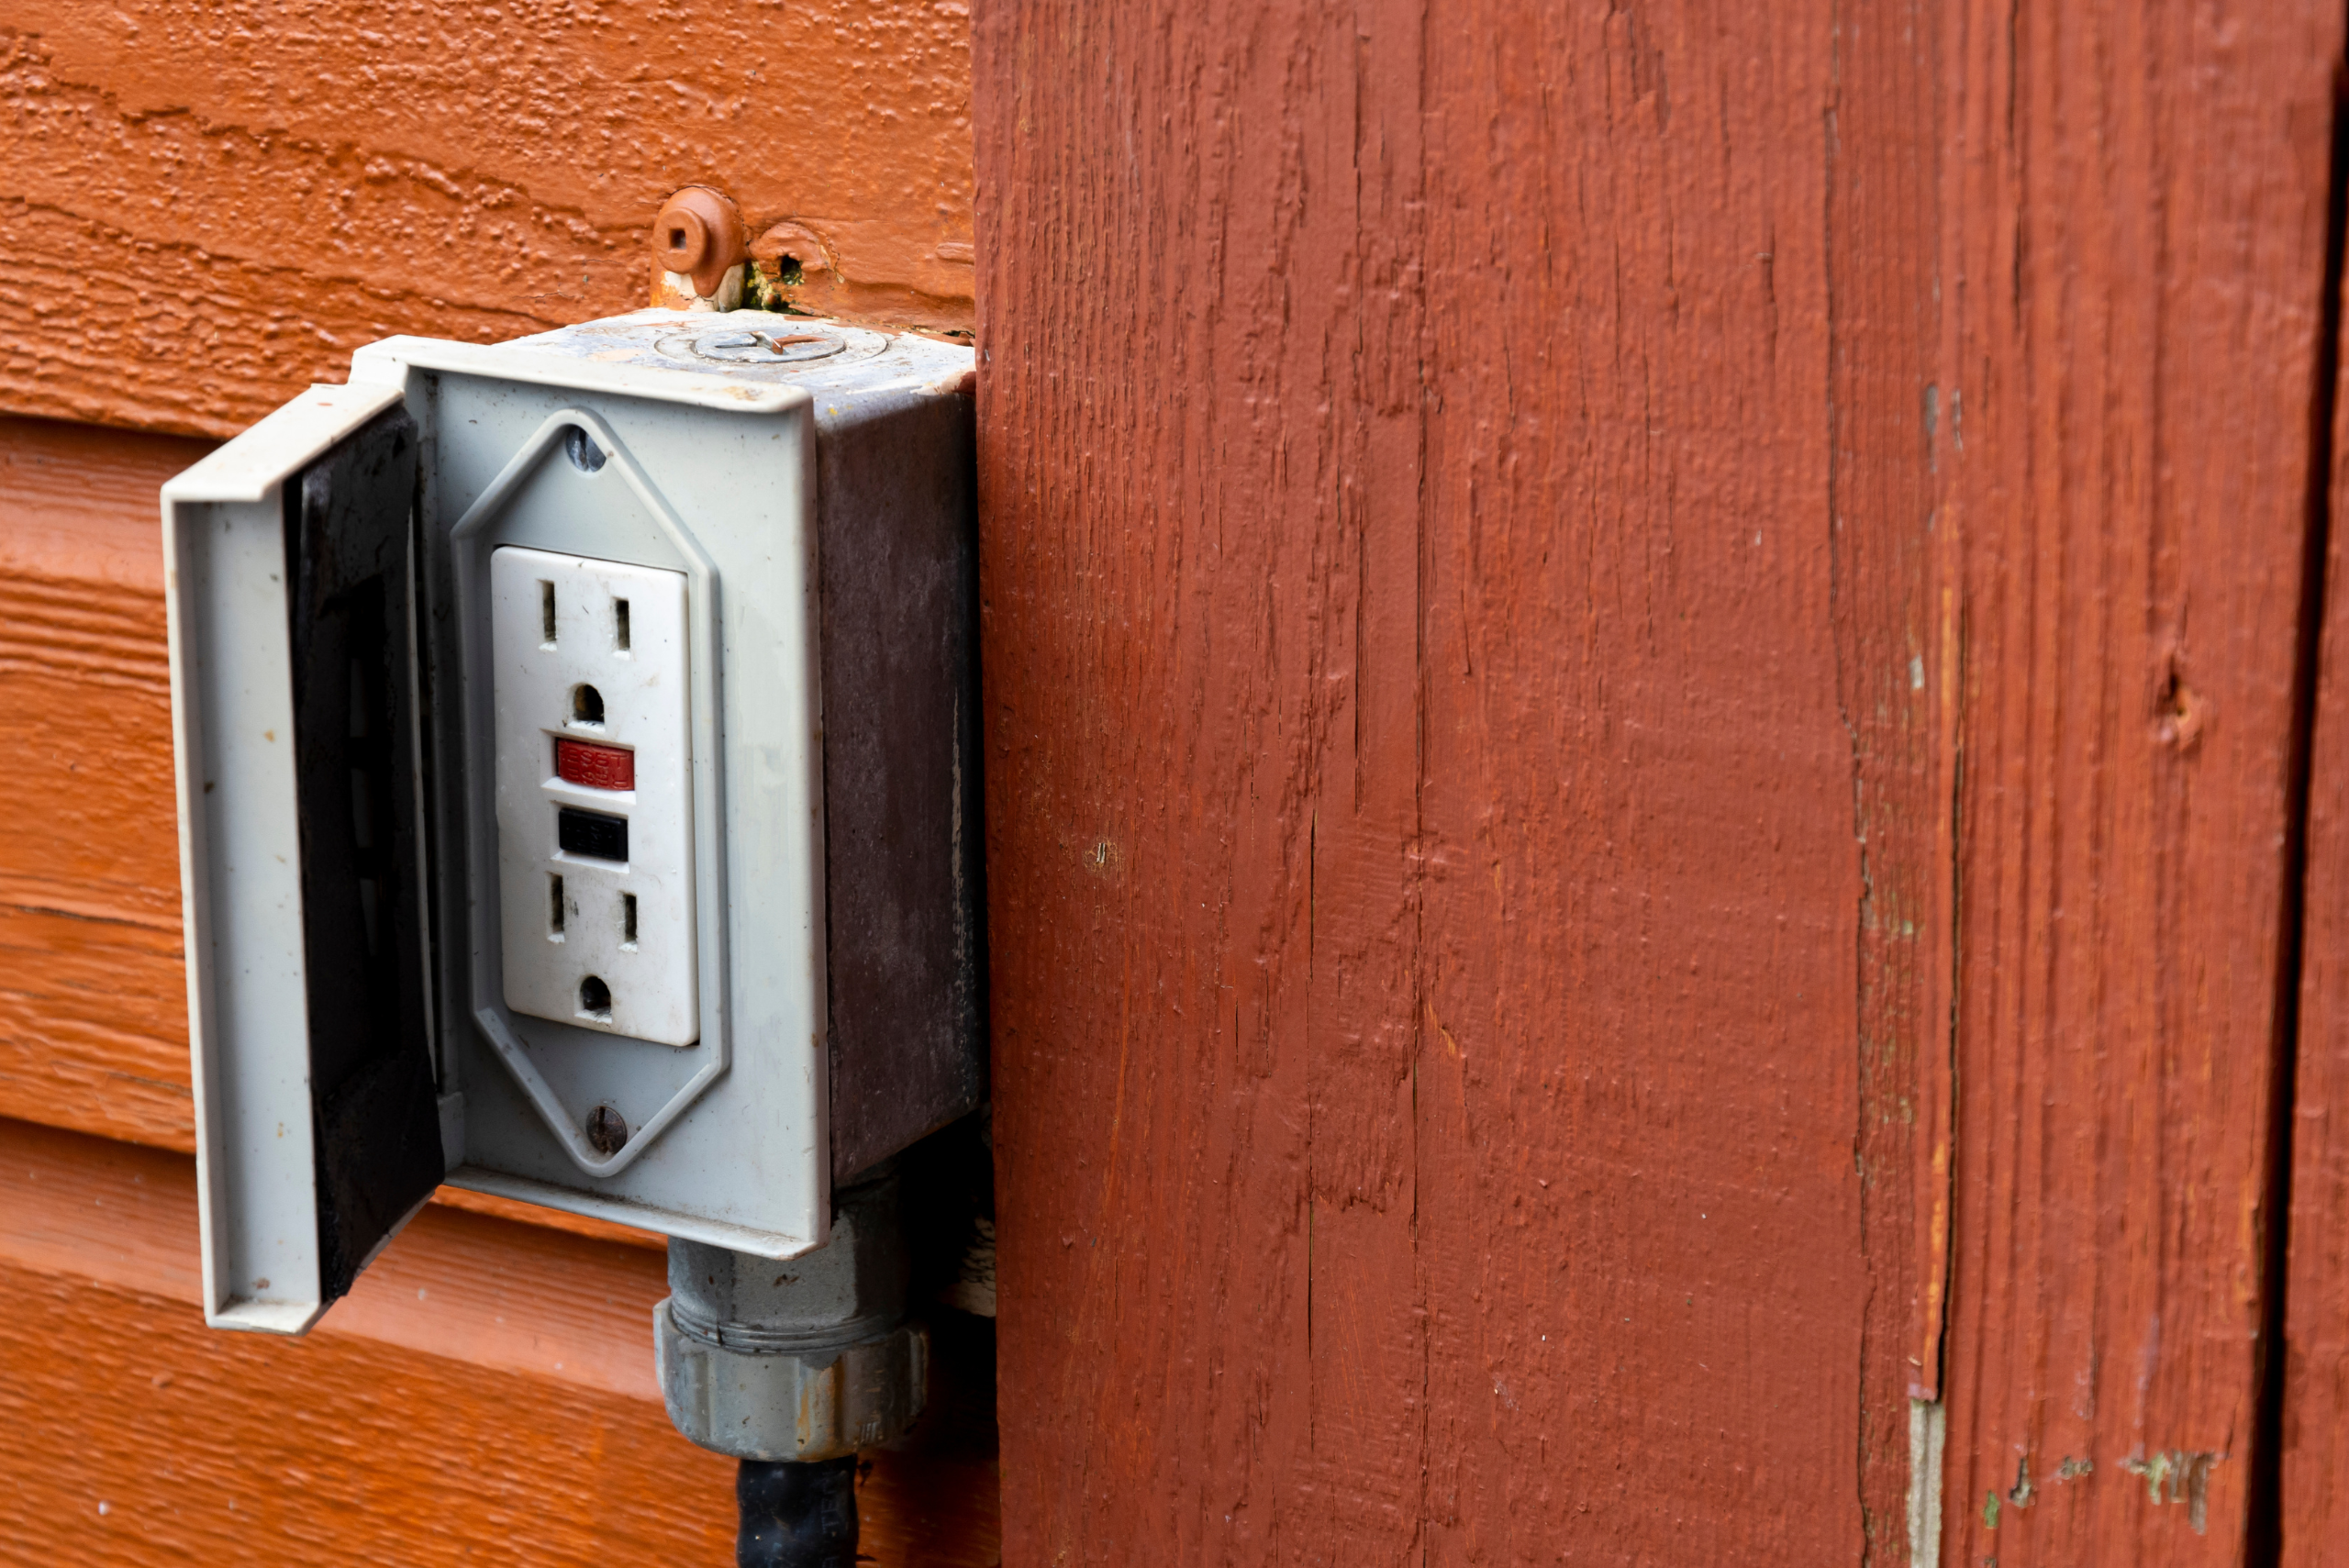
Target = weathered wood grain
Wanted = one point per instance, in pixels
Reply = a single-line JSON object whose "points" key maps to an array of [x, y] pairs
{"points": [[2138, 201], [204, 207], [1438, 751], [1506, 529], [485, 1393]]}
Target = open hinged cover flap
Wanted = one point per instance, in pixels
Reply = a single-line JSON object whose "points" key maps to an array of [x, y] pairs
{"points": [[289, 555]]}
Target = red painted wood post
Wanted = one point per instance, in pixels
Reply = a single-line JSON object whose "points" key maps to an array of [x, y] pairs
{"points": [[1439, 750], [2138, 199], [1641, 727]]}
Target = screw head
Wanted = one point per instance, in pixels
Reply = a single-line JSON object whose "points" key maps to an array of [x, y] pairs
{"points": [[697, 234], [607, 1131], [680, 238]]}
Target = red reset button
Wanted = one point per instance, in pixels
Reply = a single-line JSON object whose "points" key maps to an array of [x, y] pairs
{"points": [[598, 767]]}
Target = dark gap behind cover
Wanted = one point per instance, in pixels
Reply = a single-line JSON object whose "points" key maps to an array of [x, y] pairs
{"points": [[373, 1099]]}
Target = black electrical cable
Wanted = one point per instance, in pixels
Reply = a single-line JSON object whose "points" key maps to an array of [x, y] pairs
{"points": [[795, 1514]]}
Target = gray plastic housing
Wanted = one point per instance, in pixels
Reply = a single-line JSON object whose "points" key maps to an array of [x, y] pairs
{"points": [[814, 483]]}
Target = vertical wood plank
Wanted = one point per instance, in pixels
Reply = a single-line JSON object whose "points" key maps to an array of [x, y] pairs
{"points": [[1681, 821], [1893, 603], [2139, 213], [1463, 824], [1198, 589], [2312, 1480]]}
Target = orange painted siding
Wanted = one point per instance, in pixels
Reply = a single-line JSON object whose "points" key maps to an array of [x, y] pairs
{"points": [[94, 1030], [206, 205], [485, 1395]]}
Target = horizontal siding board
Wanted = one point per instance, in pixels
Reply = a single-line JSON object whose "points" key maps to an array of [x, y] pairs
{"points": [[138, 1436], [93, 998], [204, 208]]}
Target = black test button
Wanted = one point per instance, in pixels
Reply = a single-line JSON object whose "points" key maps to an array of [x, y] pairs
{"points": [[591, 833]]}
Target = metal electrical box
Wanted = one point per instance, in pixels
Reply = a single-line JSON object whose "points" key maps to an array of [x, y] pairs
{"points": [[578, 771]]}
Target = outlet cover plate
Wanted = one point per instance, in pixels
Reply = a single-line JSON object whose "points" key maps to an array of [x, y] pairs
{"points": [[724, 1140], [702, 463]]}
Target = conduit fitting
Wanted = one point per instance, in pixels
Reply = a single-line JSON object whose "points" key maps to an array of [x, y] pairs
{"points": [[697, 251], [810, 1358]]}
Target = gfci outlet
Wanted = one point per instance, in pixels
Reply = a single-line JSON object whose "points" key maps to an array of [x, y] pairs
{"points": [[595, 806], [577, 746]]}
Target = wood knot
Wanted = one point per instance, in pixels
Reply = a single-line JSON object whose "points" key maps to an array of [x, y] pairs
{"points": [[2183, 712]]}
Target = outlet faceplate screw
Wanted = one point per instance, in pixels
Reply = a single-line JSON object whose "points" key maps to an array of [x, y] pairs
{"points": [[607, 1130]]}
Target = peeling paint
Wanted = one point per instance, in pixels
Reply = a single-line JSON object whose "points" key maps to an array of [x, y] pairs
{"points": [[2178, 1475]]}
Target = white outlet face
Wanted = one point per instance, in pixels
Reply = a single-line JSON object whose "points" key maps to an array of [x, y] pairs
{"points": [[595, 802]]}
